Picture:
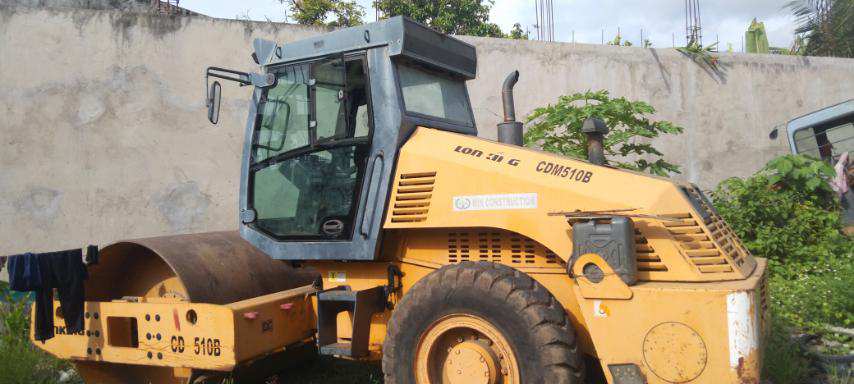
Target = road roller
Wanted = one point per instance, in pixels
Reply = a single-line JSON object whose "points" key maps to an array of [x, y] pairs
{"points": [[375, 225]]}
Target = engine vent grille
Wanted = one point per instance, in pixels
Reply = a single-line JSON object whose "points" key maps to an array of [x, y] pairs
{"points": [[697, 245], [499, 247], [412, 200], [717, 249], [648, 260]]}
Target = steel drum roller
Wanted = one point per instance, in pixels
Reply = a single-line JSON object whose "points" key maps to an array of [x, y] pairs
{"points": [[214, 267]]}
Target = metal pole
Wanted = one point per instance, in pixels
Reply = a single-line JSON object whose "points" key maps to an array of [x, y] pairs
{"points": [[545, 9], [551, 21], [686, 21], [552, 12], [547, 16], [542, 22], [536, 23], [699, 22]]}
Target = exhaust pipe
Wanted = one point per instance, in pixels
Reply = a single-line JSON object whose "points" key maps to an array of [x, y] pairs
{"points": [[595, 129], [509, 131]]}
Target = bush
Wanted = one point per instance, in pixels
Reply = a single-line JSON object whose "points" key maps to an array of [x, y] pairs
{"points": [[786, 211]]}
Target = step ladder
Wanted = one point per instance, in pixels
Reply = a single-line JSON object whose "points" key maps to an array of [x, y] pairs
{"points": [[361, 305]]}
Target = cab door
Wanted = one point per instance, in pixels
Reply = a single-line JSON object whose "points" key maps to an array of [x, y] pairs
{"points": [[304, 184]]}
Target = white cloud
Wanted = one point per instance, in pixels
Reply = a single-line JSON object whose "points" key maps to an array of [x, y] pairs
{"points": [[661, 20]]}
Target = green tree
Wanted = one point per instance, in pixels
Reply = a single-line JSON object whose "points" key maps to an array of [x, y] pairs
{"points": [[458, 17], [557, 128], [344, 13], [517, 33], [827, 26]]}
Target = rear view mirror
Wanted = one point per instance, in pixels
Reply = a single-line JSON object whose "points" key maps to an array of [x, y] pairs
{"points": [[213, 92], [213, 102]]}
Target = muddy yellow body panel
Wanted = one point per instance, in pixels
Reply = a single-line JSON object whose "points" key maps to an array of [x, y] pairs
{"points": [[681, 332], [187, 335], [449, 180]]}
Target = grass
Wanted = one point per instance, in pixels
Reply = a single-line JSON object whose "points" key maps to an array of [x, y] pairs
{"points": [[785, 361], [20, 361]]}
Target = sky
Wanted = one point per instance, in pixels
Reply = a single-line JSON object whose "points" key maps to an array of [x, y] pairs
{"points": [[587, 20]]}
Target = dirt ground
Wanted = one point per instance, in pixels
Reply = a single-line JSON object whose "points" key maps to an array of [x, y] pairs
{"points": [[326, 370]]}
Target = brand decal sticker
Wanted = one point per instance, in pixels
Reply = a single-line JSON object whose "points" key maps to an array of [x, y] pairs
{"points": [[495, 202], [599, 309]]}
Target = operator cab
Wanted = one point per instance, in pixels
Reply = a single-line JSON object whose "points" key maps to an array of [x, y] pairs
{"points": [[327, 118]]}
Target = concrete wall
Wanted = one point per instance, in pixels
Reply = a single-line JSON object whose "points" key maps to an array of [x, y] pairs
{"points": [[124, 5], [103, 130]]}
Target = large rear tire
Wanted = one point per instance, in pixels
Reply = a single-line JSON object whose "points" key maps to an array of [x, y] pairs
{"points": [[480, 323]]}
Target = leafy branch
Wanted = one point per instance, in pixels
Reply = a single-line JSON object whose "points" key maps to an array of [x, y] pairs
{"points": [[700, 54], [557, 128]]}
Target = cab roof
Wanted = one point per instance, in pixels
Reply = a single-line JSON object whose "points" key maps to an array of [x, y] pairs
{"points": [[403, 36]]}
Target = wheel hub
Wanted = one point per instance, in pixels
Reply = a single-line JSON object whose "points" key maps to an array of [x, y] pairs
{"points": [[471, 362], [463, 349]]}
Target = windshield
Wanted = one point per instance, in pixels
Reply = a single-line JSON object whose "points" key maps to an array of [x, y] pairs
{"points": [[309, 151], [432, 94]]}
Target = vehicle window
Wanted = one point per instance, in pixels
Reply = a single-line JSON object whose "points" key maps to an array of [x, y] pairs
{"points": [[312, 191], [433, 94], [841, 139], [309, 195], [826, 143], [806, 142], [284, 115], [330, 99]]}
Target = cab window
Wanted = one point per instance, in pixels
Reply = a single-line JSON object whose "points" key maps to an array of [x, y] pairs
{"points": [[434, 94], [310, 150]]}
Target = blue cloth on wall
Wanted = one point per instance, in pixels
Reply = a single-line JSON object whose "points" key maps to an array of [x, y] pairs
{"points": [[24, 273], [42, 273]]}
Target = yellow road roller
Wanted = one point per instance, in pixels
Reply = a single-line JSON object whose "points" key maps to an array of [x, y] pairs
{"points": [[375, 225]]}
